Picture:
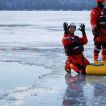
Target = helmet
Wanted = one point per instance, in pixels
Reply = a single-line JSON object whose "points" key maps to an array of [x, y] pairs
{"points": [[72, 25], [100, 0]]}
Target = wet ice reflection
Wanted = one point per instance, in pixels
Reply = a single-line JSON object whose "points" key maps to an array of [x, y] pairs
{"points": [[85, 91]]}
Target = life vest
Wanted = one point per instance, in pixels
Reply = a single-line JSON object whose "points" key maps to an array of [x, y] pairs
{"points": [[75, 47], [102, 19]]}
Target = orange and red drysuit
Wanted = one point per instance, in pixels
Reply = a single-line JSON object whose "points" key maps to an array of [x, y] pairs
{"points": [[73, 45], [98, 23]]}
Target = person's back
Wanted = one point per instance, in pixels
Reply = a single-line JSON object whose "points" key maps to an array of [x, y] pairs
{"points": [[73, 46]]}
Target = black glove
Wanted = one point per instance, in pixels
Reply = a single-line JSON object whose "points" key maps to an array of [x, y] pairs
{"points": [[65, 26], [82, 29]]}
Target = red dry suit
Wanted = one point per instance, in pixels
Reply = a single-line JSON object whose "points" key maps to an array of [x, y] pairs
{"points": [[73, 46], [98, 23]]}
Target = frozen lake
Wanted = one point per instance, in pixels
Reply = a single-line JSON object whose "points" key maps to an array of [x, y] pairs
{"points": [[32, 61]]}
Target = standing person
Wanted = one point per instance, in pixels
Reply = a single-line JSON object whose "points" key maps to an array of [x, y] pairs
{"points": [[73, 46], [98, 23]]}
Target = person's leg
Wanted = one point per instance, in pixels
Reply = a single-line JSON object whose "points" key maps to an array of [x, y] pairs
{"points": [[104, 51], [85, 61], [82, 69], [67, 66], [97, 50]]}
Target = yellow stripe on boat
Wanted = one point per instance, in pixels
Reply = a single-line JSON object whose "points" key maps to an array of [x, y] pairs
{"points": [[96, 69]]}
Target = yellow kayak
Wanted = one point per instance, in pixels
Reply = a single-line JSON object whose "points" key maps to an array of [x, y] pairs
{"points": [[99, 68]]}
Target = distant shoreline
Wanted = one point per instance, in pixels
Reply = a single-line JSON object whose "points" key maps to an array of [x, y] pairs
{"points": [[42, 10]]}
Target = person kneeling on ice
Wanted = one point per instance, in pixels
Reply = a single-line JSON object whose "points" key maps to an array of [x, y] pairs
{"points": [[73, 46]]}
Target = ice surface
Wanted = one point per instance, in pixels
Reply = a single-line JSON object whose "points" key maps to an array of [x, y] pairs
{"points": [[32, 61]]}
